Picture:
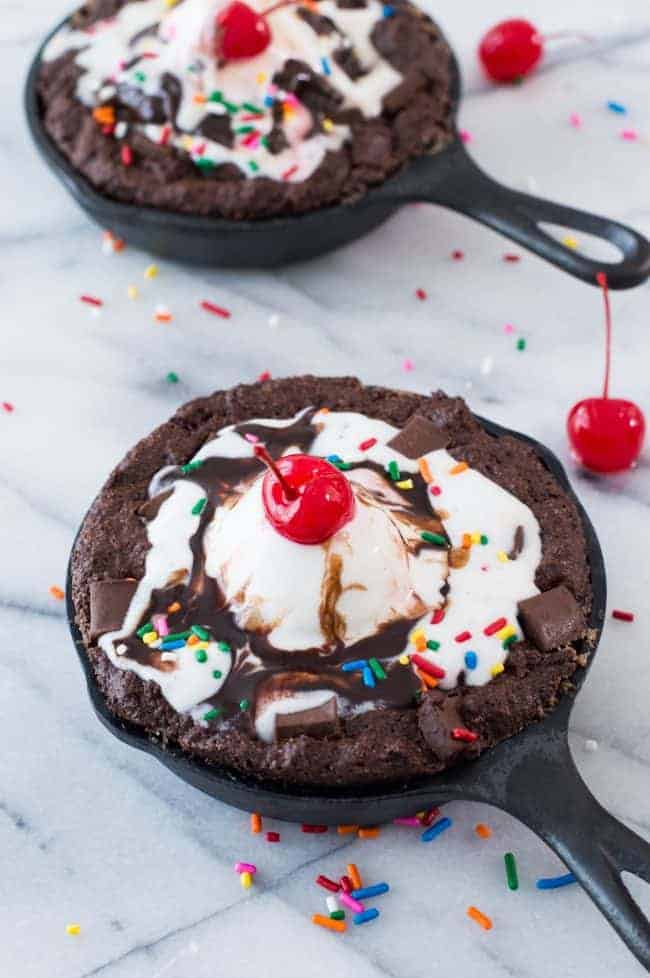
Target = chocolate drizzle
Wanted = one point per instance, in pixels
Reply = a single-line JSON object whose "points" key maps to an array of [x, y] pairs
{"points": [[258, 666]]}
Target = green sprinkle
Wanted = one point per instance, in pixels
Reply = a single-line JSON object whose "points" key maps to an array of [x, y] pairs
{"points": [[172, 377], [484, 539], [139, 76], [377, 668], [511, 871], [144, 629], [521, 343], [433, 645], [342, 466], [242, 130], [509, 641], [192, 466], [435, 538], [265, 142], [212, 714], [215, 97], [176, 637], [201, 632], [230, 107], [393, 471], [337, 915], [223, 647], [204, 164], [201, 655], [251, 108], [216, 674], [197, 508], [253, 166], [244, 704]]}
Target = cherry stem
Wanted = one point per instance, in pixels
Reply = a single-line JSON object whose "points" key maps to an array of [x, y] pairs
{"points": [[566, 36], [601, 278], [278, 6], [261, 453]]}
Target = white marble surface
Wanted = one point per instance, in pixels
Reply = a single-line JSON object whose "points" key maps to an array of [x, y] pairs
{"points": [[93, 832]]}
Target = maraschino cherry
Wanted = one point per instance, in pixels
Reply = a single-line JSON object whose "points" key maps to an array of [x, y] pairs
{"points": [[241, 32], [510, 50], [606, 433], [305, 498]]}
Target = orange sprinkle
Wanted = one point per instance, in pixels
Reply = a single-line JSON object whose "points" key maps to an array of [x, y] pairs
{"points": [[480, 918], [328, 923], [428, 680], [483, 831], [199, 98], [193, 639], [458, 468], [56, 592], [353, 873], [163, 317], [104, 115], [467, 541], [369, 833], [420, 644], [256, 822], [425, 471], [346, 829], [174, 606]]}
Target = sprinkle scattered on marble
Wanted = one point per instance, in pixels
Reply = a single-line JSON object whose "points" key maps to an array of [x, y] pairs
{"points": [[617, 107], [457, 254], [575, 120], [555, 882], [265, 375], [511, 257], [408, 365], [7, 407], [73, 929], [465, 136], [480, 918], [521, 344], [508, 329], [421, 294], [622, 615], [172, 377], [215, 309], [629, 135], [483, 831], [91, 300], [56, 592]]}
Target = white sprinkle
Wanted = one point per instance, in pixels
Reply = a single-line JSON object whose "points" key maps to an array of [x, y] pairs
{"points": [[332, 903], [487, 365], [121, 130], [591, 746], [120, 649], [168, 657], [107, 91]]}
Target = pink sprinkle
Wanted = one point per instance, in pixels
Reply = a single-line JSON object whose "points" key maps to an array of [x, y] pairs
{"points": [[350, 902], [265, 375], [251, 140], [413, 820], [435, 490], [199, 150], [575, 120], [508, 328], [7, 406], [290, 172], [91, 300], [421, 294], [465, 136], [249, 436], [164, 135], [631, 135], [245, 868], [160, 623], [408, 365], [214, 309], [291, 99]]}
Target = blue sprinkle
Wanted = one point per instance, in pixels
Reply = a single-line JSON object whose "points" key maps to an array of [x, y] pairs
{"points": [[555, 882], [334, 459], [471, 660], [370, 891], [436, 829], [326, 66], [365, 916], [368, 676], [617, 107], [353, 666], [178, 643], [388, 11], [268, 100]]}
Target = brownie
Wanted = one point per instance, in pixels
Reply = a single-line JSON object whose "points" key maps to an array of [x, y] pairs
{"points": [[319, 746], [166, 169]]}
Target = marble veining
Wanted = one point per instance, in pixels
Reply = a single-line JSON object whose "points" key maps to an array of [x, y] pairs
{"points": [[96, 833]]}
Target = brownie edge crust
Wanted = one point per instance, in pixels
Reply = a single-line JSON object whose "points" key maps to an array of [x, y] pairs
{"points": [[378, 746]]}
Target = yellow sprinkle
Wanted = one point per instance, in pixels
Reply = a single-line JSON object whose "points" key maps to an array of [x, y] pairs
{"points": [[170, 3], [201, 645], [261, 78], [404, 660], [328, 125], [132, 292], [246, 880], [475, 537], [506, 632], [187, 142], [151, 271], [503, 556], [497, 669], [458, 468], [73, 929], [418, 635], [150, 637], [405, 484], [570, 242]]}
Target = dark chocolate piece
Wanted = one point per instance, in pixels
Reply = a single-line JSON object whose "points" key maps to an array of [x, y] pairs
{"points": [[419, 437], [517, 544], [318, 23], [346, 58], [551, 619], [318, 721], [109, 603], [150, 508], [217, 128]]}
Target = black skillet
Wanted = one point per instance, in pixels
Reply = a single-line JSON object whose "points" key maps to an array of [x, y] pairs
{"points": [[449, 177], [531, 776]]}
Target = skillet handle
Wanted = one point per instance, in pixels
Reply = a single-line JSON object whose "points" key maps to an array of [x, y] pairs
{"points": [[545, 791], [454, 180]]}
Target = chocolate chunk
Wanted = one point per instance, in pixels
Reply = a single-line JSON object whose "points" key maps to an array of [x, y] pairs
{"points": [[315, 722], [309, 88], [217, 128], [419, 437], [551, 619], [517, 544], [347, 59], [109, 603], [318, 23]]}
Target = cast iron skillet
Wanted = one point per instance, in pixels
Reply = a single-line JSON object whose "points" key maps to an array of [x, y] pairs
{"points": [[450, 178], [532, 776]]}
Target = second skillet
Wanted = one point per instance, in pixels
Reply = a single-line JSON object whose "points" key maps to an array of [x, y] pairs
{"points": [[448, 177]]}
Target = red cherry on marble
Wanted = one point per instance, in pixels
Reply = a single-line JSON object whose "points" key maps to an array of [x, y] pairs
{"points": [[510, 50], [606, 433], [241, 32], [305, 498]]}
